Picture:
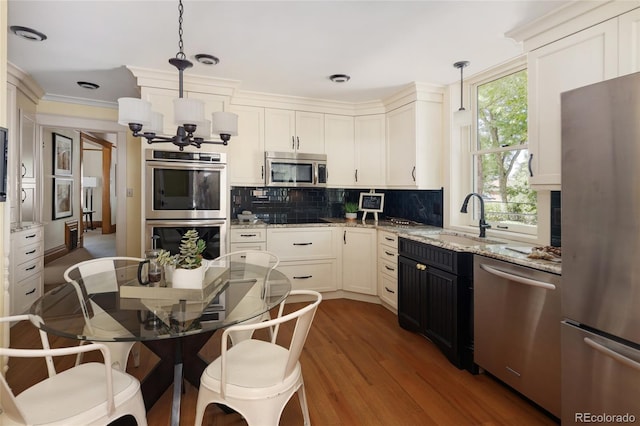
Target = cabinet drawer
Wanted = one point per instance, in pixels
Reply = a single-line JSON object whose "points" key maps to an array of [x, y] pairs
{"points": [[27, 237], [261, 246], [388, 238], [26, 269], [27, 253], [25, 292], [390, 254], [389, 268], [312, 275], [248, 235], [301, 243], [388, 289]]}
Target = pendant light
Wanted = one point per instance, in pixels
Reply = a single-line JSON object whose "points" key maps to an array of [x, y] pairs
{"points": [[193, 129], [461, 117]]}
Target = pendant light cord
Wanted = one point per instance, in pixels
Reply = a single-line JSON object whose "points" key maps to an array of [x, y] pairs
{"points": [[461, 90], [180, 54]]}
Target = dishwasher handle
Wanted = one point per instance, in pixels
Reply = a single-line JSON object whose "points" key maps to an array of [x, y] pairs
{"points": [[612, 354], [517, 278]]}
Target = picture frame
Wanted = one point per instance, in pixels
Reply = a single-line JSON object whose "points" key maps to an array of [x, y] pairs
{"points": [[62, 155], [62, 198]]}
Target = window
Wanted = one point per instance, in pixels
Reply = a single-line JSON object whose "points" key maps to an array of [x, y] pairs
{"points": [[500, 155]]}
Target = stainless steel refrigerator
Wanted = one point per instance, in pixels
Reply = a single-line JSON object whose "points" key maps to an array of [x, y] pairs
{"points": [[601, 252]]}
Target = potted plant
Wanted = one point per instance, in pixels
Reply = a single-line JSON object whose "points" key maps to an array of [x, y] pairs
{"points": [[351, 210], [185, 269]]}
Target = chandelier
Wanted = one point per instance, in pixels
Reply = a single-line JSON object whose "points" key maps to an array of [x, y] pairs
{"points": [[193, 128]]}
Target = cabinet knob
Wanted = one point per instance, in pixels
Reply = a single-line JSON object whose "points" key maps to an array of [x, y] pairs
{"points": [[421, 267]]}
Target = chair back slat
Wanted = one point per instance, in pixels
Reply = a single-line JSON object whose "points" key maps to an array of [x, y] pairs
{"points": [[299, 337], [104, 266]]}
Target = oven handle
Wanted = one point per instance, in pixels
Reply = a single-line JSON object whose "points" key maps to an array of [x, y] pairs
{"points": [[185, 166], [179, 222]]}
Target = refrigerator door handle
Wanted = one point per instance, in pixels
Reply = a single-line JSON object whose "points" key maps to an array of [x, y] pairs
{"points": [[517, 278], [612, 354]]}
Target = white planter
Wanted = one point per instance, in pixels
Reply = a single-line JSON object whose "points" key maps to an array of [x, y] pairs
{"points": [[351, 216], [186, 278]]}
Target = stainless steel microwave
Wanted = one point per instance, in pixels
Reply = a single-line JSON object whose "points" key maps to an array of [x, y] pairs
{"points": [[295, 169]]}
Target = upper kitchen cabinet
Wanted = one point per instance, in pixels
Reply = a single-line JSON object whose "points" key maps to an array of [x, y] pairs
{"points": [[629, 42], [162, 101], [355, 150], [583, 58], [246, 150], [369, 150], [414, 146], [294, 131], [340, 150]]}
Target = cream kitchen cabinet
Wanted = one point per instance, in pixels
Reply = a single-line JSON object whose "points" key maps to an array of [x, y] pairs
{"points": [[309, 256], [294, 131], [355, 150], [388, 268], [162, 102], [414, 146], [340, 150], [248, 239], [370, 150], [26, 279], [359, 260], [583, 58], [246, 150]]}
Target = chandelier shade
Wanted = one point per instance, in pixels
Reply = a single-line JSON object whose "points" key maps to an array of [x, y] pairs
{"points": [[193, 129]]}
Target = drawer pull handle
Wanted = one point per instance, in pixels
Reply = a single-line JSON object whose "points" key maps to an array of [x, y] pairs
{"points": [[31, 252], [303, 277], [612, 354], [30, 268], [302, 244], [388, 253], [389, 239], [512, 371], [389, 290], [248, 235], [389, 268], [30, 292], [30, 236]]}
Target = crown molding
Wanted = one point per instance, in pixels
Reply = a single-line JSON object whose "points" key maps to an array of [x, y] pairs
{"points": [[568, 19], [191, 82], [412, 92], [24, 82], [80, 101]]}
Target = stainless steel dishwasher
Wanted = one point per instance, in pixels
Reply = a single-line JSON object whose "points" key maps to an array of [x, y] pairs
{"points": [[517, 328]]}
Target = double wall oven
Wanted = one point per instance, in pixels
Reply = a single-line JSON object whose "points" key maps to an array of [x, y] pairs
{"points": [[186, 190]]}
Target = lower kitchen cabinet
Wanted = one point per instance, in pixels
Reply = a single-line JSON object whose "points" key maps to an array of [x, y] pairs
{"points": [[359, 260], [434, 298], [27, 268], [388, 268]]}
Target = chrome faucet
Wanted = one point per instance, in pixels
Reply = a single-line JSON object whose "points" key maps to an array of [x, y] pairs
{"points": [[483, 223]]}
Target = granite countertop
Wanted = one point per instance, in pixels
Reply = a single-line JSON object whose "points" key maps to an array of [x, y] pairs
{"points": [[497, 248], [15, 227]]}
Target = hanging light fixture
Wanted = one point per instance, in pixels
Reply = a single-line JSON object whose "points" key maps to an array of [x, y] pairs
{"points": [[193, 128], [461, 117]]}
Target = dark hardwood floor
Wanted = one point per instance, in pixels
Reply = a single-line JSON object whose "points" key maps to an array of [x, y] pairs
{"points": [[360, 368]]}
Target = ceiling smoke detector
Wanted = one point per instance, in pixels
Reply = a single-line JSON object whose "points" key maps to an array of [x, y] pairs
{"points": [[27, 33], [339, 78], [206, 59], [87, 85]]}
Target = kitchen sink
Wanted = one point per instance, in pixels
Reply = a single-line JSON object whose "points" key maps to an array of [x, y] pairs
{"points": [[465, 240]]}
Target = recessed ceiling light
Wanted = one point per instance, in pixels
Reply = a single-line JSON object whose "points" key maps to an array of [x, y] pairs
{"points": [[27, 33], [203, 58], [339, 78], [87, 85]]}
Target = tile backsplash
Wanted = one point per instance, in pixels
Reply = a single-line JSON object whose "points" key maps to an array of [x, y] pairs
{"points": [[290, 205], [556, 213]]}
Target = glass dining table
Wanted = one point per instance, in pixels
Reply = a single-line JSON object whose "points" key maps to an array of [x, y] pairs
{"points": [[174, 323]]}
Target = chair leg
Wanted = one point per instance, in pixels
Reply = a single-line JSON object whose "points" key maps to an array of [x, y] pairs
{"points": [[205, 397], [136, 354], [302, 397], [79, 356]]}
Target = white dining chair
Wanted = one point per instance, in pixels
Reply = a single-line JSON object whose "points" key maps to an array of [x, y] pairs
{"points": [[264, 263], [257, 378], [92, 393], [97, 322]]}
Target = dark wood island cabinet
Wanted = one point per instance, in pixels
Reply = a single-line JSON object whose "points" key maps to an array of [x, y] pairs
{"points": [[435, 298]]}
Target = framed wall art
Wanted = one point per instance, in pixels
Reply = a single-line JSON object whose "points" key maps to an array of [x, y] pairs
{"points": [[62, 158], [62, 197]]}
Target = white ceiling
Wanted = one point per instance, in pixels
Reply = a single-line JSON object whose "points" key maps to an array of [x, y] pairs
{"points": [[282, 47]]}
